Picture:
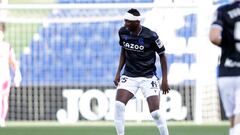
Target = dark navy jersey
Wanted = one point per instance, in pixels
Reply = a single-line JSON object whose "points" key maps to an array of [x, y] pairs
{"points": [[140, 51], [228, 18]]}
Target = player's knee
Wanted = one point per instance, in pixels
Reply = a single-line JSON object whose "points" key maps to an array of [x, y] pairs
{"points": [[119, 105], [119, 108], [156, 114]]}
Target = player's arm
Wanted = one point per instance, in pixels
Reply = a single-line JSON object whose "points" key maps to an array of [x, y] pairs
{"points": [[160, 49], [215, 34], [14, 64], [163, 61], [122, 60]]}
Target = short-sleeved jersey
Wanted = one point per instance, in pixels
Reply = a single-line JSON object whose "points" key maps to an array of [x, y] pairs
{"points": [[5, 53], [228, 18], [140, 51]]}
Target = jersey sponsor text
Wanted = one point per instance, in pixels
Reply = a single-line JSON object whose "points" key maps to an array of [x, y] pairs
{"points": [[231, 63], [234, 13], [133, 47]]}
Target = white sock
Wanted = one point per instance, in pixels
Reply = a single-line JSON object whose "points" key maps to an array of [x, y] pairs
{"points": [[119, 117], [161, 122], [236, 129], [231, 131]]}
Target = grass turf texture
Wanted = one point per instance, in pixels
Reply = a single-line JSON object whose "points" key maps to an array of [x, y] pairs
{"points": [[107, 128]]}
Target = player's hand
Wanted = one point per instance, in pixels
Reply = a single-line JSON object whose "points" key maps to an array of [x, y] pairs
{"points": [[116, 79], [164, 87]]}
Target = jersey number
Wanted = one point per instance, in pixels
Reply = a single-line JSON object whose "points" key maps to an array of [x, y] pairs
{"points": [[237, 35], [154, 84], [124, 79]]}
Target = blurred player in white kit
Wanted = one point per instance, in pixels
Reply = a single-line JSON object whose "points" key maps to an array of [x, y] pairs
{"points": [[7, 61], [225, 33]]}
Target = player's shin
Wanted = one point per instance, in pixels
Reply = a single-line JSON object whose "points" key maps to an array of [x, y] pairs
{"points": [[119, 117], [5, 107], [231, 129], [160, 122], [2, 121]]}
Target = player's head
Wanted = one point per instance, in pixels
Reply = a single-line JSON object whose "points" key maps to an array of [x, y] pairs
{"points": [[132, 19], [2, 30]]}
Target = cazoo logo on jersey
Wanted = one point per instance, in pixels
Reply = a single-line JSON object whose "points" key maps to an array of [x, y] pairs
{"points": [[133, 47]]}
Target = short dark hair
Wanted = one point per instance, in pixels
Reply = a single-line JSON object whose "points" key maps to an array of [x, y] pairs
{"points": [[134, 12]]}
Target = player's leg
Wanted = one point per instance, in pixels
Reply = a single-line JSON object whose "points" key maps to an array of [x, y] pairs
{"points": [[5, 89], [153, 103], [237, 124], [226, 89], [122, 97], [125, 91], [151, 91], [5, 105], [237, 108], [1, 108], [231, 129]]}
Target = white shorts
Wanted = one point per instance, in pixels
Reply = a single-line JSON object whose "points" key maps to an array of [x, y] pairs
{"points": [[148, 86], [229, 88]]}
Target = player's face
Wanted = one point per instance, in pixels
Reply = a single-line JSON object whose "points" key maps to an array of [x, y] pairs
{"points": [[131, 25]]}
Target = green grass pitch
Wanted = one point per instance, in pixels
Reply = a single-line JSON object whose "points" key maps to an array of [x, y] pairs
{"points": [[107, 128]]}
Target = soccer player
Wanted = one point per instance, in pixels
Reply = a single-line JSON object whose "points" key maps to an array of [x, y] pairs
{"points": [[7, 59], [139, 46], [225, 33]]}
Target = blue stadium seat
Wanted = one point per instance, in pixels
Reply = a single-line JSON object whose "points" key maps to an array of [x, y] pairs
{"points": [[143, 1], [189, 29], [221, 1], [66, 1], [123, 1], [189, 58], [104, 1], [84, 1]]}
